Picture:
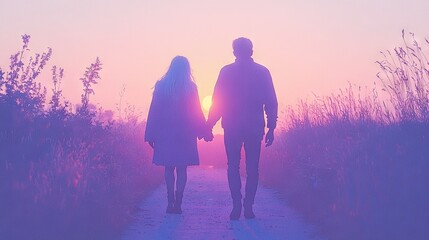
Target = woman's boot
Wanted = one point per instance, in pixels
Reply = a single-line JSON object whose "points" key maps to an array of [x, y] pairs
{"points": [[178, 203], [171, 200]]}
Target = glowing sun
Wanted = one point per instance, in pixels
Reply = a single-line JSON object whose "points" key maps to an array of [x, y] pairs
{"points": [[207, 103]]}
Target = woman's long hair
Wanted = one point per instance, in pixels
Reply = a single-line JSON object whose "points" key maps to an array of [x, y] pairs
{"points": [[178, 78]]}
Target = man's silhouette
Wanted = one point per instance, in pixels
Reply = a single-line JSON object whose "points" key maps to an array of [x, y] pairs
{"points": [[243, 91]]}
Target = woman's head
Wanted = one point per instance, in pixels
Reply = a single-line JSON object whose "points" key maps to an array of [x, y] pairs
{"points": [[180, 69], [178, 77]]}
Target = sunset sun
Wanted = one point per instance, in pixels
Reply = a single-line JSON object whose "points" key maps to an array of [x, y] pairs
{"points": [[207, 103]]}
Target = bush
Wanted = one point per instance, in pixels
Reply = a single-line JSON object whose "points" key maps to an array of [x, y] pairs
{"points": [[64, 174]]}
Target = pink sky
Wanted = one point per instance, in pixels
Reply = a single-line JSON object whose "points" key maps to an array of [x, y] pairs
{"points": [[309, 46]]}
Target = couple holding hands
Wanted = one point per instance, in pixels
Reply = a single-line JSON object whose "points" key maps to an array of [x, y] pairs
{"points": [[243, 92]]}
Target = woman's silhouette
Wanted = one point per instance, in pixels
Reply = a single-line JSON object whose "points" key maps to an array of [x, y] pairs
{"points": [[174, 122]]}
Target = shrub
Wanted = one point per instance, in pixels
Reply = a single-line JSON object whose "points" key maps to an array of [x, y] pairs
{"points": [[64, 174]]}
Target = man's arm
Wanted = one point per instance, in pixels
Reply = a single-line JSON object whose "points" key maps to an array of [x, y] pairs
{"points": [[215, 112], [271, 109]]}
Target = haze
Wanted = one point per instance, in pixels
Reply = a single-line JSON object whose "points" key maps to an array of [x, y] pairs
{"points": [[309, 46]]}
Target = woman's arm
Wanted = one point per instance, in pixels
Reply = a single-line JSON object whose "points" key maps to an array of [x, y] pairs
{"points": [[152, 119], [200, 120]]}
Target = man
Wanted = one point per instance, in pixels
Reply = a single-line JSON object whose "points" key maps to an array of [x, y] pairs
{"points": [[243, 91]]}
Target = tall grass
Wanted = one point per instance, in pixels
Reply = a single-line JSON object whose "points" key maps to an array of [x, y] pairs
{"points": [[65, 174], [356, 163]]}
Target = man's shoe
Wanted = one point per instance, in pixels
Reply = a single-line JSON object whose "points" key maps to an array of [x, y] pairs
{"points": [[248, 213], [248, 210], [236, 211]]}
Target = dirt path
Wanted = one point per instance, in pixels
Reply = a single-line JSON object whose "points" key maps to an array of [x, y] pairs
{"points": [[206, 207]]}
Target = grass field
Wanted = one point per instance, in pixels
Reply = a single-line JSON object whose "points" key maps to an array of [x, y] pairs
{"points": [[356, 163]]}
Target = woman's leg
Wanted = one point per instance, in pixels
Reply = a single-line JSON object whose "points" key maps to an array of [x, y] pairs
{"points": [[169, 178], [169, 181], [182, 177]]}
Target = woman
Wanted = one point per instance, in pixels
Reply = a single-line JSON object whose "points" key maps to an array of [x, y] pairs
{"points": [[174, 122]]}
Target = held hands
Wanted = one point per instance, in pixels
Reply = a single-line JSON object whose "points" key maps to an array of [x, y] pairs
{"points": [[209, 137], [208, 134], [269, 137]]}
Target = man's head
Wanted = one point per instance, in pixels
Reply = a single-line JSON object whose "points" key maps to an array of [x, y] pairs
{"points": [[243, 47]]}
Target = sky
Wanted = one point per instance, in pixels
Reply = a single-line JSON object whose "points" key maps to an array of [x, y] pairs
{"points": [[310, 47]]}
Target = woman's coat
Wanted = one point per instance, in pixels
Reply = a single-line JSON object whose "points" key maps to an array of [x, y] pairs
{"points": [[174, 122]]}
